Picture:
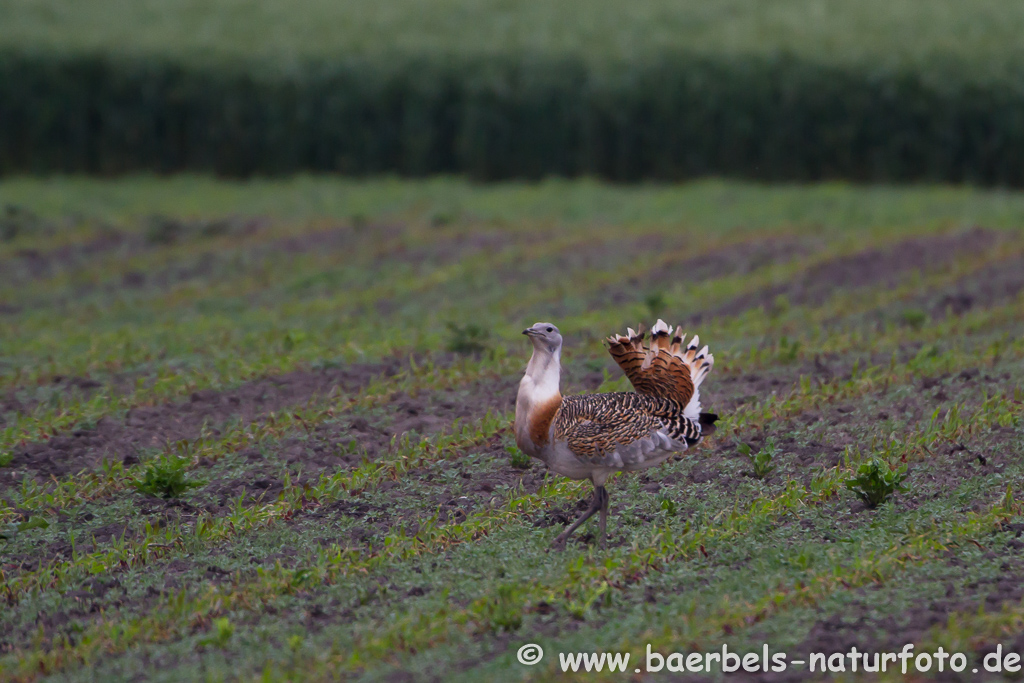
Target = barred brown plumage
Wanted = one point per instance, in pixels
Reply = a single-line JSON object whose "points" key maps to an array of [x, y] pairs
{"points": [[592, 436], [594, 424]]}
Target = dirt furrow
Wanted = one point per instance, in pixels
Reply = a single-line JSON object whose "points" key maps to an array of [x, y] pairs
{"points": [[875, 267], [991, 286], [158, 231], [147, 427], [868, 622], [729, 261]]}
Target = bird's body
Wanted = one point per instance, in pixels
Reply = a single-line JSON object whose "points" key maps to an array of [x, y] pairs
{"points": [[593, 436]]}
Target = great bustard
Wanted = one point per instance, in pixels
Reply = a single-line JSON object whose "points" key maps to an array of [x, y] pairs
{"points": [[593, 435]]}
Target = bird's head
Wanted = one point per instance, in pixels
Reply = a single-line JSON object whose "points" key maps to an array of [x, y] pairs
{"points": [[545, 337]]}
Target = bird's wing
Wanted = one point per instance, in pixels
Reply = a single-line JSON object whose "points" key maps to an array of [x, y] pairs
{"points": [[614, 429], [664, 368]]}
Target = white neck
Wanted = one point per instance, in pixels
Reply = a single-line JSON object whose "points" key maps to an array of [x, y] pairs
{"points": [[537, 389], [542, 374]]}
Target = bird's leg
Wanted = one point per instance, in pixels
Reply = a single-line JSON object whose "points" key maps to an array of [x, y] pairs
{"points": [[604, 513], [600, 499]]}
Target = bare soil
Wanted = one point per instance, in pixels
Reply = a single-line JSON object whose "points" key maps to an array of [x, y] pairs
{"points": [[347, 442], [868, 626], [155, 426], [991, 286], [872, 267], [35, 264], [736, 259]]}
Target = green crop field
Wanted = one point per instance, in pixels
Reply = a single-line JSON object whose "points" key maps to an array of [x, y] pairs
{"points": [[261, 430], [984, 33], [668, 90]]}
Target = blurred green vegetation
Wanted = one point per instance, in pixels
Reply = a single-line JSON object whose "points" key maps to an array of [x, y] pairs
{"points": [[281, 35], [789, 90], [713, 205]]}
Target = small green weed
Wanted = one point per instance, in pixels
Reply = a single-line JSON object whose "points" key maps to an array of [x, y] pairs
{"points": [[466, 339], [914, 318], [875, 481], [788, 350], [924, 358], [34, 523], [293, 338], [165, 478], [762, 460], [222, 631], [27, 525], [503, 612], [669, 506], [518, 459]]}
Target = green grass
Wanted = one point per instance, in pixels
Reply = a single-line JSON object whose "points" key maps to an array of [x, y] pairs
{"points": [[903, 31], [246, 522], [707, 205]]}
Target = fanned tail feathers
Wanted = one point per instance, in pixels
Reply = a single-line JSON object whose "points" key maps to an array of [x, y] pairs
{"points": [[665, 368]]}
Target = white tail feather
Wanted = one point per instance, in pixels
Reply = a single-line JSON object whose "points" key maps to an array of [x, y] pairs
{"points": [[699, 362]]}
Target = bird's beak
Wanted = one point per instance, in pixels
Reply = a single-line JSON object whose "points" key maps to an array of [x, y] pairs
{"points": [[526, 331], [529, 331]]}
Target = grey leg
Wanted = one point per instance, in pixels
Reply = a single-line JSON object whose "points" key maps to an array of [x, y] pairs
{"points": [[599, 503], [605, 498]]}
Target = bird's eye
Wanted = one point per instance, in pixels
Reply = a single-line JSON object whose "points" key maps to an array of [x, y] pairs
{"points": [[551, 329]]}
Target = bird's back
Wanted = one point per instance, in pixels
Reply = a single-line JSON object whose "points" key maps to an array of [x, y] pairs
{"points": [[623, 430], [627, 430]]}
